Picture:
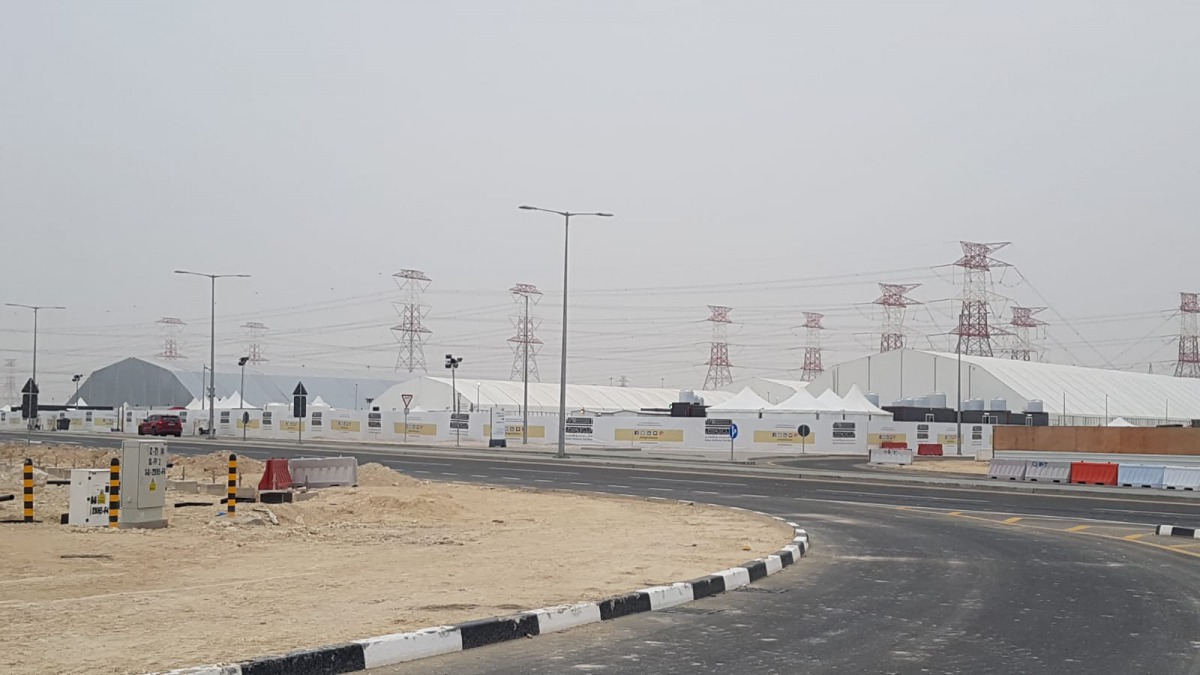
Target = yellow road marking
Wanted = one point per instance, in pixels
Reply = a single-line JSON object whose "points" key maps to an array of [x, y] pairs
{"points": [[1185, 545], [904, 508], [955, 513], [1078, 528], [1012, 520], [1133, 537]]}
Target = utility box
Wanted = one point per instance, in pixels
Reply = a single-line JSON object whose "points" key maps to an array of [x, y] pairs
{"points": [[89, 498], [143, 483]]}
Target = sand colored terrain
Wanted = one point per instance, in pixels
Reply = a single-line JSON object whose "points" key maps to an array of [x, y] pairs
{"points": [[947, 466], [391, 555]]}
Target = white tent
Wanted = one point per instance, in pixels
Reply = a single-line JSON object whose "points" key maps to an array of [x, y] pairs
{"points": [[858, 402], [319, 402], [744, 401], [196, 404], [1120, 422], [80, 403], [801, 401]]}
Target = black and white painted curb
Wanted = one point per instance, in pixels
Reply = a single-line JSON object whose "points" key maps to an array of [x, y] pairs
{"points": [[397, 648], [1176, 531]]}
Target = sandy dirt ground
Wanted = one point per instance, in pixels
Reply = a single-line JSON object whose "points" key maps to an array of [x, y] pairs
{"points": [[947, 466], [390, 555]]}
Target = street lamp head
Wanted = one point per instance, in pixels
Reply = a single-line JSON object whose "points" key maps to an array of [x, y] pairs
{"points": [[527, 208], [243, 361]]}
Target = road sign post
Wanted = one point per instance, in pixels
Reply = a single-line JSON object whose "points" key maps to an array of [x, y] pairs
{"points": [[803, 431], [733, 434], [300, 409], [29, 408], [407, 398], [245, 423]]}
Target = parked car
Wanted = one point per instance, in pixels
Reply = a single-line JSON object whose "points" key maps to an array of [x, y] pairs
{"points": [[161, 425]]}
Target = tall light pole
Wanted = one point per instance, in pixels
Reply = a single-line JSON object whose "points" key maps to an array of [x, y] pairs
{"points": [[959, 395], [562, 377], [36, 309], [212, 348], [76, 378], [242, 390]]}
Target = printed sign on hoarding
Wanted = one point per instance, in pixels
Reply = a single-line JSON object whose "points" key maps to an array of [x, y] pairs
{"points": [[576, 429]]}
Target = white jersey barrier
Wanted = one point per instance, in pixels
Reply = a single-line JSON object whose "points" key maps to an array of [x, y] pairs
{"points": [[1048, 472], [1140, 475], [320, 472], [1181, 477], [1010, 469], [891, 456]]}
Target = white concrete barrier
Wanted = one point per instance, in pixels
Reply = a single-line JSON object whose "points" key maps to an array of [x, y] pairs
{"points": [[1041, 471], [985, 455], [318, 472], [1181, 477], [1007, 469], [891, 456], [1140, 475]]}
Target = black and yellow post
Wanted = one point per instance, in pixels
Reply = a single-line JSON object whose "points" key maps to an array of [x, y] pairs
{"points": [[114, 493], [27, 484], [231, 500]]}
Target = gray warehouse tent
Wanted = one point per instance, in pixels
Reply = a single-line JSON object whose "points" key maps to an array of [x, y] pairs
{"points": [[145, 383]]}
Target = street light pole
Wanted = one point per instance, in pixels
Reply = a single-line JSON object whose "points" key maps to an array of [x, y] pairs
{"points": [[562, 377], [960, 436], [212, 347], [36, 309], [525, 377], [76, 378]]}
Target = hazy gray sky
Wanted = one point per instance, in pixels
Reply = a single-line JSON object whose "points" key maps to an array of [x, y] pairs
{"points": [[822, 147]]}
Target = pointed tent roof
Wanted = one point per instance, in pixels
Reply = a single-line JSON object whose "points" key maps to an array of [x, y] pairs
{"points": [[1120, 422], [319, 402], [744, 401], [857, 401], [801, 401], [833, 401], [80, 403], [195, 405]]}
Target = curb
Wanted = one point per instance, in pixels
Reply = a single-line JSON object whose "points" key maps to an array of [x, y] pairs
{"points": [[1176, 531], [388, 650]]}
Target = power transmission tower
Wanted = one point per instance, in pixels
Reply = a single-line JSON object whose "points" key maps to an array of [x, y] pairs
{"points": [[718, 352], [525, 344], [411, 332], [895, 302], [172, 331], [974, 331], [1188, 364], [812, 347], [1022, 320], [255, 332]]}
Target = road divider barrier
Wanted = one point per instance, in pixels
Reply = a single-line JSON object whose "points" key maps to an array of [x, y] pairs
{"points": [[891, 456], [1176, 531], [1039, 471], [929, 449], [322, 472], [1093, 473], [1140, 475], [1181, 477], [1007, 469]]}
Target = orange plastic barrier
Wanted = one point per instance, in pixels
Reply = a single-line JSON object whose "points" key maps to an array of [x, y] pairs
{"points": [[1094, 473], [934, 449], [893, 445]]}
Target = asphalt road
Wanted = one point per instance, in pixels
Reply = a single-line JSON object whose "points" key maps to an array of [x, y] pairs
{"points": [[903, 579]]}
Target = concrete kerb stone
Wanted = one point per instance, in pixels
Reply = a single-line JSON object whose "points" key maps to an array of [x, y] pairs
{"points": [[388, 650], [1176, 531]]}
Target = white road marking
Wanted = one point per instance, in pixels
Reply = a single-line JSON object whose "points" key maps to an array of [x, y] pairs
{"points": [[475, 475], [662, 489], [1149, 513], [703, 492], [756, 496], [575, 483], [542, 480], [565, 473], [447, 473], [422, 472], [625, 487]]}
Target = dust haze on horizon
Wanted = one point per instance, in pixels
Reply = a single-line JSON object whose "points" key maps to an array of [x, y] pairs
{"points": [[772, 156]]}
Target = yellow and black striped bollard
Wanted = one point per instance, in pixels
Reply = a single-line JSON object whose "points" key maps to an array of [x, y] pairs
{"points": [[114, 493], [231, 500], [27, 485]]}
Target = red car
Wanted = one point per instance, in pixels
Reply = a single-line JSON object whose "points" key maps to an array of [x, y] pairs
{"points": [[161, 425]]}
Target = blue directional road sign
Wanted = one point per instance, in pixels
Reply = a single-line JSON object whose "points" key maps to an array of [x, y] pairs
{"points": [[733, 431]]}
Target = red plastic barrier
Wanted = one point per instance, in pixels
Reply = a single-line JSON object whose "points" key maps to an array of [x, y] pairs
{"points": [[276, 476], [1094, 473], [894, 445], [934, 449]]}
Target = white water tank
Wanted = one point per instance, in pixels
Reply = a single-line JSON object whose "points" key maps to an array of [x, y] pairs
{"points": [[687, 396], [873, 398], [998, 404], [973, 404], [1035, 406], [937, 400], [922, 401]]}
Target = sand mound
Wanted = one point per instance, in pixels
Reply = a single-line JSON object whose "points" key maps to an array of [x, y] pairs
{"points": [[374, 474]]}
